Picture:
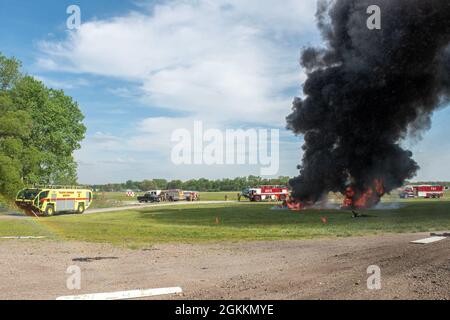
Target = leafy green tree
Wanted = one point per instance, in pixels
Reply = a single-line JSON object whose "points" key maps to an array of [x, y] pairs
{"points": [[39, 130], [56, 131], [160, 183], [15, 126], [202, 184], [147, 185], [9, 72], [175, 184], [131, 185]]}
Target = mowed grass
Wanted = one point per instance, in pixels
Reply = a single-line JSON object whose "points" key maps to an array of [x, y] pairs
{"points": [[219, 196], [229, 222], [120, 199]]}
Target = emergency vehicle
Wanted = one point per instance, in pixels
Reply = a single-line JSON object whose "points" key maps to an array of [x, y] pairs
{"points": [[423, 191], [47, 201], [191, 196], [174, 195], [151, 196], [276, 193]]}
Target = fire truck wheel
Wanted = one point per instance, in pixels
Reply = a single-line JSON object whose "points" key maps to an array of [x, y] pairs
{"points": [[282, 197], [80, 209], [49, 211], [257, 198]]}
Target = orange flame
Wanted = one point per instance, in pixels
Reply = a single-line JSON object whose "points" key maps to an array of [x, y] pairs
{"points": [[366, 199]]}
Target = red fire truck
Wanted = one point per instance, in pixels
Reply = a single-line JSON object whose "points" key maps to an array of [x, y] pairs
{"points": [[276, 193], [422, 191]]}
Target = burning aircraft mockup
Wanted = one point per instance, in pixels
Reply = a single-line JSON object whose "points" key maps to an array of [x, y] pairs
{"points": [[366, 91]]}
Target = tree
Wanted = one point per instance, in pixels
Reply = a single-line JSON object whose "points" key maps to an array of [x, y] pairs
{"points": [[56, 131], [161, 183], [15, 126], [9, 72], [175, 184], [131, 185], [147, 185], [39, 130]]}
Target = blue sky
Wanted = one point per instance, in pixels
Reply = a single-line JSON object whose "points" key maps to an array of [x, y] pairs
{"points": [[141, 69]]}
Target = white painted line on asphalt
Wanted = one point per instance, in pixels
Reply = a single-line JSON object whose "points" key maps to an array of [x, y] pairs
{"points": [[123, 295], [429, 240], [22, 237]]}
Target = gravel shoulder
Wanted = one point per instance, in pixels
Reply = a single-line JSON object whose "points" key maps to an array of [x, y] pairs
{"points": [[306, 269]]}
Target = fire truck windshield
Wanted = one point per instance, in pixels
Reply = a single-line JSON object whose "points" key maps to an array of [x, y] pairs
{"points": [[42, 195], [28, 194]]}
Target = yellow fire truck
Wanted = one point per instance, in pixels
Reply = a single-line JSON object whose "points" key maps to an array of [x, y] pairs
{"points": [[47, 201]]}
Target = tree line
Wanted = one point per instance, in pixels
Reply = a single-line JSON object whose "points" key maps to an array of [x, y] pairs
{"points": [[439, 183], [203, 185], [39, 130]]}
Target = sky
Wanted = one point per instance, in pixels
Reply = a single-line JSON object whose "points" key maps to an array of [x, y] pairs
{"points": [[140, 70]]}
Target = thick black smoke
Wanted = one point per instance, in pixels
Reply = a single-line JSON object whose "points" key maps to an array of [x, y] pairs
{"points": [[367, 90]]}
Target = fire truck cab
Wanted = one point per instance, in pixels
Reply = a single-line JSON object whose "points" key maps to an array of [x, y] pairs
{"points": [[276, 193], [50, 200], [407, 192], [191, 196]]}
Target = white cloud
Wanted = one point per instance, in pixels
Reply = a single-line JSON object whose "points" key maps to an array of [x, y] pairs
{"points": [[223, 60], [226, 62], [125, 92], [106, 141], [63, 84]]}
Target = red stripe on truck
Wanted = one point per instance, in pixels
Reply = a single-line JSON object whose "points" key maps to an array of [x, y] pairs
{"points": [[62, 199]]}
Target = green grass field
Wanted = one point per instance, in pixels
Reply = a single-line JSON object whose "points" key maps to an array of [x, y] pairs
{"points": [[237, 222], [120, 199]]}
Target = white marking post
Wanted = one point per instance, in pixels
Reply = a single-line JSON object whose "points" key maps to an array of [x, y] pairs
{"points": [[429, 240], [124, 295]]}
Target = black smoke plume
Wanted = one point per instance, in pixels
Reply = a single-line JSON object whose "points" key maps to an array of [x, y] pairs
{"points": [[368, 90]]}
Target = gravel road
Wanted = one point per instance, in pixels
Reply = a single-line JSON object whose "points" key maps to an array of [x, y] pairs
{"points": [[307, 269]]}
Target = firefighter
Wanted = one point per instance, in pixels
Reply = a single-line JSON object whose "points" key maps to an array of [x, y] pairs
{"points": [[239, 197]]}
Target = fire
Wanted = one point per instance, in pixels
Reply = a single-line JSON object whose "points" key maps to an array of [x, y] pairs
{"points": [[366, 199], [294, 205]]}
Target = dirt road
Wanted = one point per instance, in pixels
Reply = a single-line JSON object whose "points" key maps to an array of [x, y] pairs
{"points": [[312, 269]]}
